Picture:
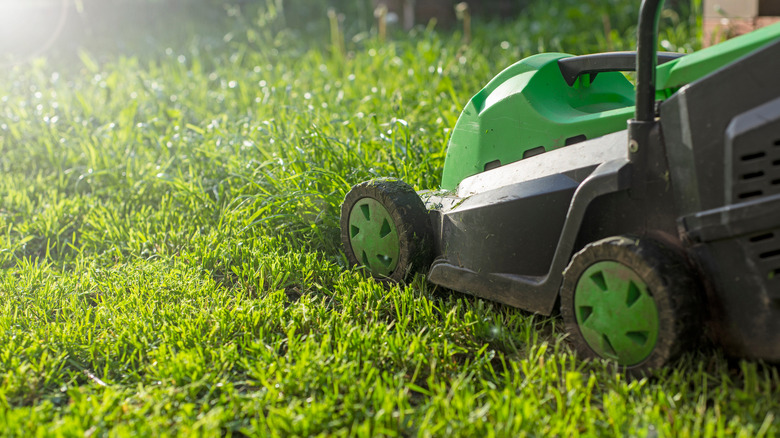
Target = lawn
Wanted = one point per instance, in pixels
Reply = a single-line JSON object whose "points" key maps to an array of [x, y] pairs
{"points": [[170, 255]]}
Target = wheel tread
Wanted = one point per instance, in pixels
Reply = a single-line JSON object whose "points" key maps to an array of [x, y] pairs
{"points": [[410, 216], [667, 273]]}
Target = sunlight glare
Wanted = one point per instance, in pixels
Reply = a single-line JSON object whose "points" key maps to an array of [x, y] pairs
{"points": [[29, 27]]}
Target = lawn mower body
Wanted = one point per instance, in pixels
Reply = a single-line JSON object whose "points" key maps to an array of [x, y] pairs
{"points": [[710, 187], [545, 194]]}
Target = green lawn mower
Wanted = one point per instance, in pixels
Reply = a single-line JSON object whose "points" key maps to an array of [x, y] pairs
{"points": [[645, 238]]}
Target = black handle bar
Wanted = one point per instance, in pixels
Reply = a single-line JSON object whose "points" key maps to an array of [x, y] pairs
{"points": [[573, 67], [647, 34]]}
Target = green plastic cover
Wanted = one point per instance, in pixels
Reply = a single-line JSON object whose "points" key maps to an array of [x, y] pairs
{"points": [[529, 108]]}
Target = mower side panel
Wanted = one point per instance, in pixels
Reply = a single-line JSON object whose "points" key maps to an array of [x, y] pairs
{"points": [[722, 134], [523, 265], [741, 241], [744, 294], [491, 232], [529, 109], [695, 119]]}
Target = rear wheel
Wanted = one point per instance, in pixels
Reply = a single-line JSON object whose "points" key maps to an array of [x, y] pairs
{"points": [[385, 227], [630, 300]]}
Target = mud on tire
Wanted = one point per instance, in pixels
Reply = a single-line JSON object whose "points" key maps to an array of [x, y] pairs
{"points": [[662, 273], [385, 227]]}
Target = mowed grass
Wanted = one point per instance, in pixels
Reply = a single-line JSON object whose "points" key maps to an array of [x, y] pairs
{"points": [[171, 262]]}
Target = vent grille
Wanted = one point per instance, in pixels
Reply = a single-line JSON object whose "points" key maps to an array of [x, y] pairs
{"points": [[764, 251], [756, 170]]}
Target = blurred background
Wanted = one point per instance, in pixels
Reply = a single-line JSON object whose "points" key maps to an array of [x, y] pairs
{"points": [[29, 28]]}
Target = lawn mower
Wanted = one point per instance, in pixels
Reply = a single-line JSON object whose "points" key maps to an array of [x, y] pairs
{"points": [[647, 214]]}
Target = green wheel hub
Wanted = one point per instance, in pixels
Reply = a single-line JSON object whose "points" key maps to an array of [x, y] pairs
{"points": [[374, 237], [616, 313]]}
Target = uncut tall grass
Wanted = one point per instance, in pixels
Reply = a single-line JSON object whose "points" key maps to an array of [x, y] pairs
{"points": [[170, 252]]}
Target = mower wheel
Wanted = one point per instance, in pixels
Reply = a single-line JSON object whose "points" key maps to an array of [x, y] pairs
{"points": [[630, 300], [385, 227]]}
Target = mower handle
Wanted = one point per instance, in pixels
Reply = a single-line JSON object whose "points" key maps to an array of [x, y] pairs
{"points": [[573, 67], [647, 34]]}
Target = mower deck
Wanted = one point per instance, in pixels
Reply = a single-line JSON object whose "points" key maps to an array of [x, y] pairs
{"points": [[645, 238]]}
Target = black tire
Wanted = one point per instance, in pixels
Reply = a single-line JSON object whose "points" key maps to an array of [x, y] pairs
{"points": [[667, 280], [408, 215]]}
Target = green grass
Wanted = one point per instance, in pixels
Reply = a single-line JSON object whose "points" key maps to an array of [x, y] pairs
{"points": [[171, 262]]}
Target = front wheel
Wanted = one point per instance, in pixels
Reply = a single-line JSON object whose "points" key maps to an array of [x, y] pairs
{"points": [[385, 228], [630, 300]]}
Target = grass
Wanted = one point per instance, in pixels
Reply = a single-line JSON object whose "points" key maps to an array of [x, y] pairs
{"points": [[171, 262]]}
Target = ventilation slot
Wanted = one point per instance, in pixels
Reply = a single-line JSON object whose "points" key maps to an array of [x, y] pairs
{"points": [[535, 151], [575, 139], [755, 156], [492, 165], [752, 194], [762, 251], [755, 168], [769, 254], [753, 175], [762, 237]]}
